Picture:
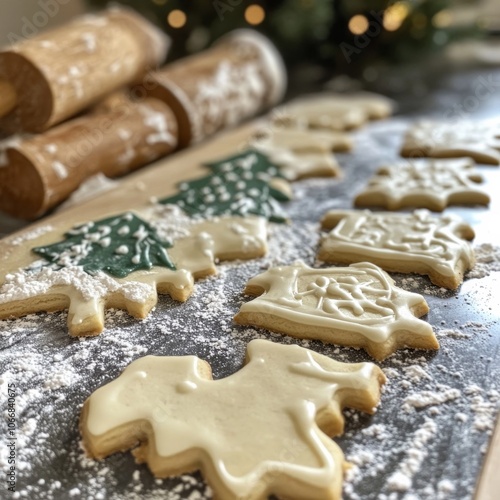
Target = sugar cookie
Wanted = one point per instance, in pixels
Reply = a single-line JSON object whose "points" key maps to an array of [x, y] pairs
{"points": [[356, 306], [332, 111], [406, 243], [432, 184], [120, 262], [477, 140], [261, 431], [302, 153]]}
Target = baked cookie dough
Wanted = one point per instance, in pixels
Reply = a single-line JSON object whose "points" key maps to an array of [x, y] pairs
{"points": [[356, 306], [302, 153], [405, 243], [432, 184], [177, 419], [331, 111], [478, 140]]}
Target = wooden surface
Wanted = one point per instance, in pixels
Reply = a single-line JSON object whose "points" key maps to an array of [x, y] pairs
{"points": [[8, 97], [489, 482]]}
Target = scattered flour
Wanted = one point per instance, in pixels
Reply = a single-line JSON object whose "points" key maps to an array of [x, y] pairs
{"points": [[89, 189], [23, 285], [487, 261], [422, 399], [28, 235]]}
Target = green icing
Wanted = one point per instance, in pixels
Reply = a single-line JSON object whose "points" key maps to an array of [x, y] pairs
{"points": [[118, 245], [238, 185]]}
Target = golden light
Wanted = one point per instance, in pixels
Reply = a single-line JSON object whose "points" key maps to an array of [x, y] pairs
{"points": [[395, 15], [254, 14], [176, 18], [442, 19], [358, 24]]}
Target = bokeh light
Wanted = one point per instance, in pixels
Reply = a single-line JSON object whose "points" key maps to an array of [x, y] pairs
{"points": [[358, 24], [395, 15], [176, 18], [254, 14]]}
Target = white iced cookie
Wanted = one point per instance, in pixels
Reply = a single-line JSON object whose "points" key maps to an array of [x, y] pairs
{"points": [[137, 266], [356, 306], [478, 140], [432, 184], [262, 431], [333, 111], [301, 153], [406, 243]]}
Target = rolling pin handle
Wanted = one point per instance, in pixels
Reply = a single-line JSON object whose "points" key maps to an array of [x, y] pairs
{"points": [[8, 97]]}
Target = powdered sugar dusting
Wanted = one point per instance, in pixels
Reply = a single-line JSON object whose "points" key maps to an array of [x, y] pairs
{"points": [[90, 188], [28, 235], [23, 285], [487, 261]]}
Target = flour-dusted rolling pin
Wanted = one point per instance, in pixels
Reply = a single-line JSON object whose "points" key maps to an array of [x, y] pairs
{"points": [[53, 76], [238, 77], [38, 172]]}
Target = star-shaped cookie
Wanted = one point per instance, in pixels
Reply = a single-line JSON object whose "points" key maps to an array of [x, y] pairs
{"points": [[356, 306], [262, 431], [406, 243], [432, 184], [478, 140]]}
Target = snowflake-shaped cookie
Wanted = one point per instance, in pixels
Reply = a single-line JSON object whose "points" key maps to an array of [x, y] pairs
{"points": [[477, 140], [279, 445], [432, 184], [407, 243], [356, 306]]}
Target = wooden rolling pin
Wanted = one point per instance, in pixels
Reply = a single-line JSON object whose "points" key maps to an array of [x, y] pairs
{"points": [[241, 75], [42, 170], [192, 98], [53, 76]]}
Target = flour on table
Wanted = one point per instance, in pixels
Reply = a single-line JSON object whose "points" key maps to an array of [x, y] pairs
{"points": [[89, 189]]}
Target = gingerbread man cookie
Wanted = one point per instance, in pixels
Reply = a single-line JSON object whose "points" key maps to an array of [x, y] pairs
{"points": [[356, 306], [330, 111], [432, 184], [406, 243], [182, 420], [477, 140]]}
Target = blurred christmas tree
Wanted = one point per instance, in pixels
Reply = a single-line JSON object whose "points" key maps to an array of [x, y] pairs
{"points": [[342, 35]]}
